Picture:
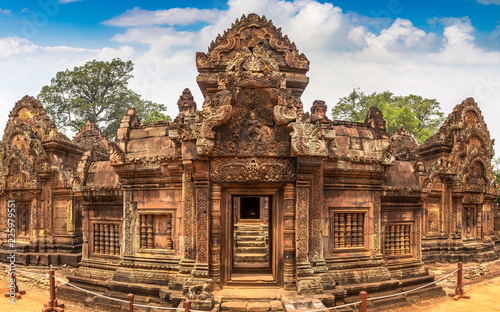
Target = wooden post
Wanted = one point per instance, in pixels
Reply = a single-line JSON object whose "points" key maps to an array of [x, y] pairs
{"points": [[459, 291], [187, 305], [363, 297], [131, 306], [17, 293], [53, 305]]}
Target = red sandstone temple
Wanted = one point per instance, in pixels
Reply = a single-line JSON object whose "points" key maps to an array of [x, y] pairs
{"points": [[249, 191]]}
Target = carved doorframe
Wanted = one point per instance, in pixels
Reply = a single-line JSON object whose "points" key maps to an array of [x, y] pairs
{"points": [[275, 192]]}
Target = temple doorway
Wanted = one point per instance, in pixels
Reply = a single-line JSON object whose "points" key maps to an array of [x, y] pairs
{"points": [[251, 252], [251, 247]]}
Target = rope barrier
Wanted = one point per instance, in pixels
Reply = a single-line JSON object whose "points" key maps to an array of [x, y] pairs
{"points": [[481, 264], [411, 290], [120, 300], [45, 275]]}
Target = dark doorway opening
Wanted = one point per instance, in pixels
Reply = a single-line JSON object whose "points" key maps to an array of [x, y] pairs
{"points": [[250, 208]]}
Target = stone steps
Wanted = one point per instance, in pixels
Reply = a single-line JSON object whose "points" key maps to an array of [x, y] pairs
{"points": [[250, 258], [250, 238], [251, 250], [251, 247], [250, 244], [250, 233]]}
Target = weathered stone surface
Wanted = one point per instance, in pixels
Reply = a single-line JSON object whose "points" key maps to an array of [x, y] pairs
{"points": [[236, 306], [258, 306], [276, 305]]}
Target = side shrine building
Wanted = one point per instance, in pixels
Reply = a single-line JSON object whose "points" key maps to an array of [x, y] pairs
{"points": [[250, 190]]}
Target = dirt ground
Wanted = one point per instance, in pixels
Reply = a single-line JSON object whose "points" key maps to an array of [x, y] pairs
{"points": [[482, 284]]}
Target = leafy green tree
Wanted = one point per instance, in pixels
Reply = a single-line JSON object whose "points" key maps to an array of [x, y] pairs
{"points": [[496, 172], [155, 116], [420, 116], [97, 91]]}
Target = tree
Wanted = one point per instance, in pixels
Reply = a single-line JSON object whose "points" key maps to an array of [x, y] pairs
{"points": [[97, 91], [155, 116], [495, 166], [420, 116]]}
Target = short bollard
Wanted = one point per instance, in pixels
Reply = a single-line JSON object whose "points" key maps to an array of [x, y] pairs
{"points": [[187, 305], [131, 305], [363, 297], [13, 289], [459, 291], [53, 305]]}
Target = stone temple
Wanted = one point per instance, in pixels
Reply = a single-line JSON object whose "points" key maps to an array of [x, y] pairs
{"points": [[249, 191]]}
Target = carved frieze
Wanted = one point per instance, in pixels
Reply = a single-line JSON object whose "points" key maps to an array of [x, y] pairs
{"points": [[252, 169]]}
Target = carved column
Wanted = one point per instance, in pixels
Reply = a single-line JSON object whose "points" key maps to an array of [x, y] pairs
{"points": [[316, 219], [376, 217], [128, 224], [289, 237], [202, 227], [308, 225], [85, 231], [215, 233], [189, 257], [303, 265]]}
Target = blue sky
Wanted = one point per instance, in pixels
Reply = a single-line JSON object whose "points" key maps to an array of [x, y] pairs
{"points": [[447, 49]]}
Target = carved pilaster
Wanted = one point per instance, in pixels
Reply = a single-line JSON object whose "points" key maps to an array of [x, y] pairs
{"points": [[187, 197], [128, 224], [376, 218], [315, 230], [418, 225], [188, 261], [202, 234], [289, 237], [302, 227], [85, 231], [215, 233]]}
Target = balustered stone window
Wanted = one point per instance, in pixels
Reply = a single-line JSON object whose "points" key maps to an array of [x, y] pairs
{"points": [[397, 240], [106, 239], [156, 231], [348, 229]]}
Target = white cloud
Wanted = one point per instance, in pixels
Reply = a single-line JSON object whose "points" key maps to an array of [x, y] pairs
{"points": [[13, 45], [489, 1], [176, 16], [6, 11]]}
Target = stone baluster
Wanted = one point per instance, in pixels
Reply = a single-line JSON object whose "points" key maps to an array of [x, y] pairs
{"points": [[361, 237], [407, 239], [341, 231], [106, 239], [387, 244], [101, 238], [398, 240], [392, 240], [354, 226], [117, 239], [96, 238], [150, 231], [170, 244], [143, 232], [111, 239], [348, 230], [336, 231]]}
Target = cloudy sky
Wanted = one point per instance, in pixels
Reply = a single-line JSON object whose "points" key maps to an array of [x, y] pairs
{"points": [[442, 49]]}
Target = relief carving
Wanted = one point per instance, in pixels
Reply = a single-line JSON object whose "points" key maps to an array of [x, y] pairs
{"points": [[252, 169]]}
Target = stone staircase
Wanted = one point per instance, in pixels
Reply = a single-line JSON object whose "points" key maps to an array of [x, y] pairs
{"points": [[251, 244]]}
